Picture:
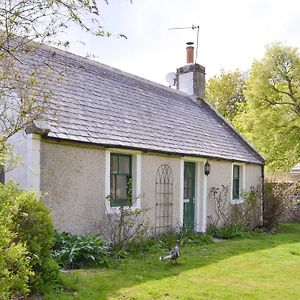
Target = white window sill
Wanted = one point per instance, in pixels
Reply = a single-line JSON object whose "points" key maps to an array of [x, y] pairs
{"points": [[237, 201], [116, 209]]}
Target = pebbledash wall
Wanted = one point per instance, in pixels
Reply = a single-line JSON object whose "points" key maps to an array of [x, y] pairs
{"points": [[221, 174], [72, 179], [75, 181]]}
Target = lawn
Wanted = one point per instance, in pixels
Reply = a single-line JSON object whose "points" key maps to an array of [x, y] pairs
{"points": [[260, 266]]}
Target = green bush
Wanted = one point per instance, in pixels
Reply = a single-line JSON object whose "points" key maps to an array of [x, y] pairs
{"points": [[15, 269], [153, 244], [280, 203], [229, 231], [74, 251], [189, 236], [32, 225], [142, 245]]}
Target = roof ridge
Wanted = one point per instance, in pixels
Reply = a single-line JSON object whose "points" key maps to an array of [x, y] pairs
{"points": [[113, 69]]}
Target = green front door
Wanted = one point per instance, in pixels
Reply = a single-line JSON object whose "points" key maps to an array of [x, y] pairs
{"points": [[189, 195]]}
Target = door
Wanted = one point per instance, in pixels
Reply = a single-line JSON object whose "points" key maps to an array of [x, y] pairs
{"points": [[189, 195]]}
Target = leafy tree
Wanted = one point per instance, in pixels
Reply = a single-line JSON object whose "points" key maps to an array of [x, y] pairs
{"points": [[271, 117], [226, 92]]}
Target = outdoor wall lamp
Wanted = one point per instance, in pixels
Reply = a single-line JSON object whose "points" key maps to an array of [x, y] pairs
{"points": [[207, 168]]}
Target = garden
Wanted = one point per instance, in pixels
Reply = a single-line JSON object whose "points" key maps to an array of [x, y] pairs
{"points": [[235, 260], [254, 265]]}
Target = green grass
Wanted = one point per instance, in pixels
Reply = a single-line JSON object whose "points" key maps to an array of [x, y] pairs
{"points": [[261, 266]]}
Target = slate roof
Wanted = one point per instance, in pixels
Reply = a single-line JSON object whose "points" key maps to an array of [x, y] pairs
{"points": [[94, 103]]}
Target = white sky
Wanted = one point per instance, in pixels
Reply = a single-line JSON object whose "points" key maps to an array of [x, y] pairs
{"points": [[232, 33]]}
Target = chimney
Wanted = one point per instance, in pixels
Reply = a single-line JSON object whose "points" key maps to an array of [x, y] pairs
{"points": [[190, 53], [191, 77]]}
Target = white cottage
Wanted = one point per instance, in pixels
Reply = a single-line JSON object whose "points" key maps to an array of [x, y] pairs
{"points": [[105, 128]]}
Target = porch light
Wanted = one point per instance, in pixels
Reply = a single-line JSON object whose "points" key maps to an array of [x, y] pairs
{"points": [[207, 168]]}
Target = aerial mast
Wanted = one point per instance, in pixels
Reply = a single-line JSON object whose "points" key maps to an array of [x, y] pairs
{"points": [[193, 27]]}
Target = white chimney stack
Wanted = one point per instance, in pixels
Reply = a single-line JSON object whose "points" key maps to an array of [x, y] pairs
{"points": [[191, 77]]}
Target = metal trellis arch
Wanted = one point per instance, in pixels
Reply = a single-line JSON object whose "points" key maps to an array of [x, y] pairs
{"points": [[164, 199]]}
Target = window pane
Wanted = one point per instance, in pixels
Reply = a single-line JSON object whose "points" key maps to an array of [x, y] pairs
{"points": [[236, 182], [121, 187], [190, 183], [236, 172], [185, 194], [112, 186], [185, 182], [235, 191], [124, 164], [113, 164]]}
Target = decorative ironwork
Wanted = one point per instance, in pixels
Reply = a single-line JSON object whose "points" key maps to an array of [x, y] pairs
{"points": [[164, 199]]}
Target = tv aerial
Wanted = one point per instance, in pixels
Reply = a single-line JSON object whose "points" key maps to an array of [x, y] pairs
{"points": [[193, 27]]}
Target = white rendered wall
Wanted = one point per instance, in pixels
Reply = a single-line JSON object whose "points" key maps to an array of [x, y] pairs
{"points": [[75, 179], [221, 174], [27, 171], [185, 83]]}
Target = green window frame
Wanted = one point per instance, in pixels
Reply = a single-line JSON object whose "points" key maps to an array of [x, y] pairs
{"points": [[120, 179], [2, 174], [236, 172]]}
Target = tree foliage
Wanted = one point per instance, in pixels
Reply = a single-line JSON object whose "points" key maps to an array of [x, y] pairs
{"points": [[271, 117], [226, 92], [25, 25], [42, 21]]}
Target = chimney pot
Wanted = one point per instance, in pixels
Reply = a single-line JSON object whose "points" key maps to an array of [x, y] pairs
{"points": [[190, 53]]}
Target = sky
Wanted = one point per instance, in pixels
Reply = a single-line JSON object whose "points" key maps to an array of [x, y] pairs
{"points": [[232, 34]]}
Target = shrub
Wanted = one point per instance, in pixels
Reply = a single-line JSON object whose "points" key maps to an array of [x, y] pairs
{"points": [[15, 268], [142, 244], [228, 231], [164, 241], [32, 224], [85, 251], [189, 236], [220, 198], [233, 220], [122, 224], [246, 214], [280, 201]]}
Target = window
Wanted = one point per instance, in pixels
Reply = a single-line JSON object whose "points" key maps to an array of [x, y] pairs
{"points": [[2, 174], [120, 179], [238, 181]]}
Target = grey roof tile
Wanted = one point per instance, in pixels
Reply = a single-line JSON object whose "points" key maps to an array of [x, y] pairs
{"points": [[94, 103]]}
